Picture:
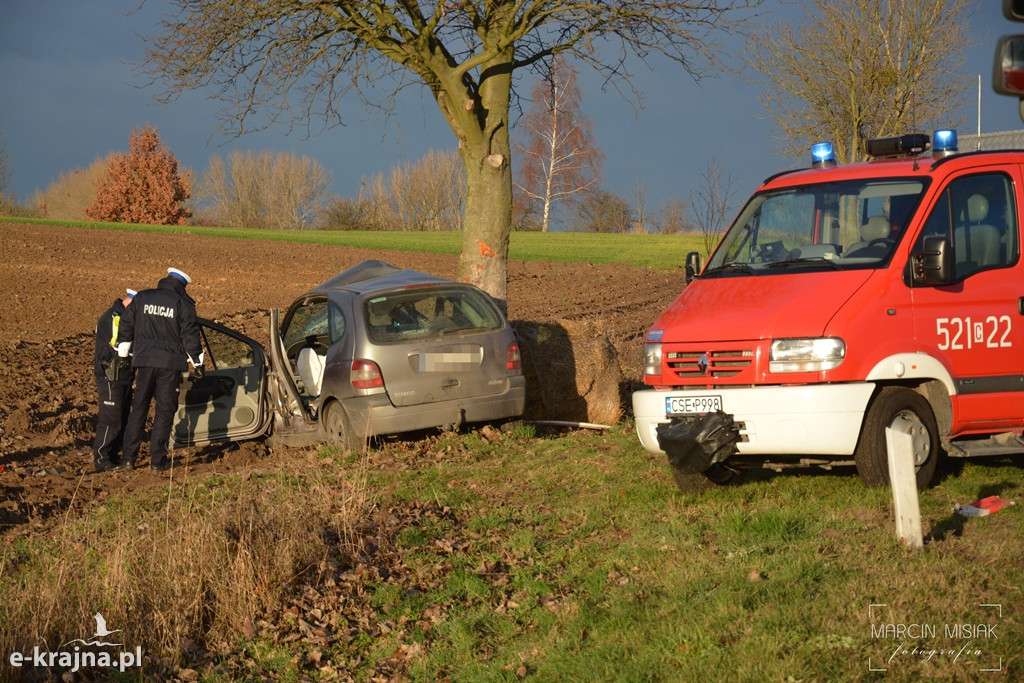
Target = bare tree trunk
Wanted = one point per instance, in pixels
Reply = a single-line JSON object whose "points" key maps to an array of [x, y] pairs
{"points": [[550, 166], [546, 221], [484, 256], [481, 126]]}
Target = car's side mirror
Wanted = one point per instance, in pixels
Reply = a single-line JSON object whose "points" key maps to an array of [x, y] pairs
{"points": [[692, 266], [933, 264]]}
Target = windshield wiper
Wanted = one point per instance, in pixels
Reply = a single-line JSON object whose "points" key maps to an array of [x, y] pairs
{"points": [[737, 267], [445, 331], [810, 260]]}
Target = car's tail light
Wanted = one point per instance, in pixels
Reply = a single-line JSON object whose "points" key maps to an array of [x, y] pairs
{"points": [[513, 360], [366, 375]]}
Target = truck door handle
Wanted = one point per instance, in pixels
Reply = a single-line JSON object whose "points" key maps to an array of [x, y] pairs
{"points": [[1020, 305]]}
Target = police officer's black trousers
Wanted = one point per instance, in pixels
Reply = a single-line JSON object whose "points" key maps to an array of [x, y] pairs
{"points": [[114, 404], [159, 385]]}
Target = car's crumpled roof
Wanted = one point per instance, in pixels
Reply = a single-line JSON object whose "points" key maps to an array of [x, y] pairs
{"points": [[372, 275]]}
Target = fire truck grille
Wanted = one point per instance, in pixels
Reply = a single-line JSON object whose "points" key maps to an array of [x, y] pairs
{"points": [[720, 364]]}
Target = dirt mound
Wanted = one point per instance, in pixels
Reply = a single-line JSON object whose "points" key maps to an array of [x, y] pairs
{"points": [[582, 324]]}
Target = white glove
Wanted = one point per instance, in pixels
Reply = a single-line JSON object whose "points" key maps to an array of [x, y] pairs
{"points": [[122, 349], [202, 354]]}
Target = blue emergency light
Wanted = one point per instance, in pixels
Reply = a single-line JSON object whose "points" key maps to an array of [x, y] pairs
{"points": [[822, 154], [944, 142]]}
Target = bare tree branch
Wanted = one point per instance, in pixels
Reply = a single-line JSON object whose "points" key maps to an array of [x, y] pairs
{"points": [[712, 207], [294, 61], [856, 69]]}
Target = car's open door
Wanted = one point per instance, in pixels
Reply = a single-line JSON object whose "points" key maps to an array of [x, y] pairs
{"points": [[230, 402], [294, 422]]}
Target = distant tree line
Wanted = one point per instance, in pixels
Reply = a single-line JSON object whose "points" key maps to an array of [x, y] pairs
{"points": [[428, 194], [277, 190], [268, 190], [558, 185], [900, 66]]}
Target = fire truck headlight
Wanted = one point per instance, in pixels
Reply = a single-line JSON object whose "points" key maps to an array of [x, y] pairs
{"points": [[806, 355], [652, 360]]}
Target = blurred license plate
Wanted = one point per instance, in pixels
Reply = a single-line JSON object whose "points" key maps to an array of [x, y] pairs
{"points": [[681, 405]]}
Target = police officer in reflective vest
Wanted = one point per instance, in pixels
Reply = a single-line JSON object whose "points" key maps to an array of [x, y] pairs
{"points": [[114, 377], [161, 332]]}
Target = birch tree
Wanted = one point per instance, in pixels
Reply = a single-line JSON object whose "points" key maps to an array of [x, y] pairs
{"points": [[559, 159]]}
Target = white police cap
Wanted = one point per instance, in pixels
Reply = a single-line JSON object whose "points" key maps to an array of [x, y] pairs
{"points": [[180, 274]]}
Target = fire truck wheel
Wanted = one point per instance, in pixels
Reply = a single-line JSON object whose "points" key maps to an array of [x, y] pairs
{"points": [[718, 475], [872, 455]]}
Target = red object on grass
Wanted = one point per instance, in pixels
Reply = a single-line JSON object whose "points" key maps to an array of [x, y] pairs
{"points": [[992, 503], [985, 506]]}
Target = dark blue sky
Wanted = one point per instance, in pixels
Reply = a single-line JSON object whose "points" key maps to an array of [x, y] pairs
{"points": [[69, 96]]}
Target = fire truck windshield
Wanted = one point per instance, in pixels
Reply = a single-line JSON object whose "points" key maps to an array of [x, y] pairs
{"points": [[837, 225]]}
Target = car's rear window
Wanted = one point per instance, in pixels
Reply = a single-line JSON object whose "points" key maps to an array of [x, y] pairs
{"points": [[425, 313]]}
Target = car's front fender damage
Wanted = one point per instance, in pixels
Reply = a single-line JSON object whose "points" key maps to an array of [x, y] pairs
{"points": [[694, 443]]}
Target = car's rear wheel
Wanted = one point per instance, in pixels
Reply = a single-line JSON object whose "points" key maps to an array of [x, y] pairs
{"points": [[336, 426], [872, 455]]}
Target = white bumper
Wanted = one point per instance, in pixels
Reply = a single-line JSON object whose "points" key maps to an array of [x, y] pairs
{"points": [[813, 419]]}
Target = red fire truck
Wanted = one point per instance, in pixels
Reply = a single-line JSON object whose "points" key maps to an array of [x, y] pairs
{"points": [[841, 298]]}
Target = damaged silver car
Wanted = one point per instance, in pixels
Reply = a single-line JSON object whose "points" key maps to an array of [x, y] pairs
{"points": [[374, 350]]}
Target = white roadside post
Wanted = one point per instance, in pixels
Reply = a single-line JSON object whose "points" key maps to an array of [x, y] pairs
{"points": [[902, 479]]}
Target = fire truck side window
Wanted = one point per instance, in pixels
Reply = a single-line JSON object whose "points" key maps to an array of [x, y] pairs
{"points": [[977, 214]]}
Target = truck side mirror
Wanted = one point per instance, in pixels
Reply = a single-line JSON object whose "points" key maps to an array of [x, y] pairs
{"points": [[1008, 66], [1013, 10], [933, 265], [692, 266]]}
